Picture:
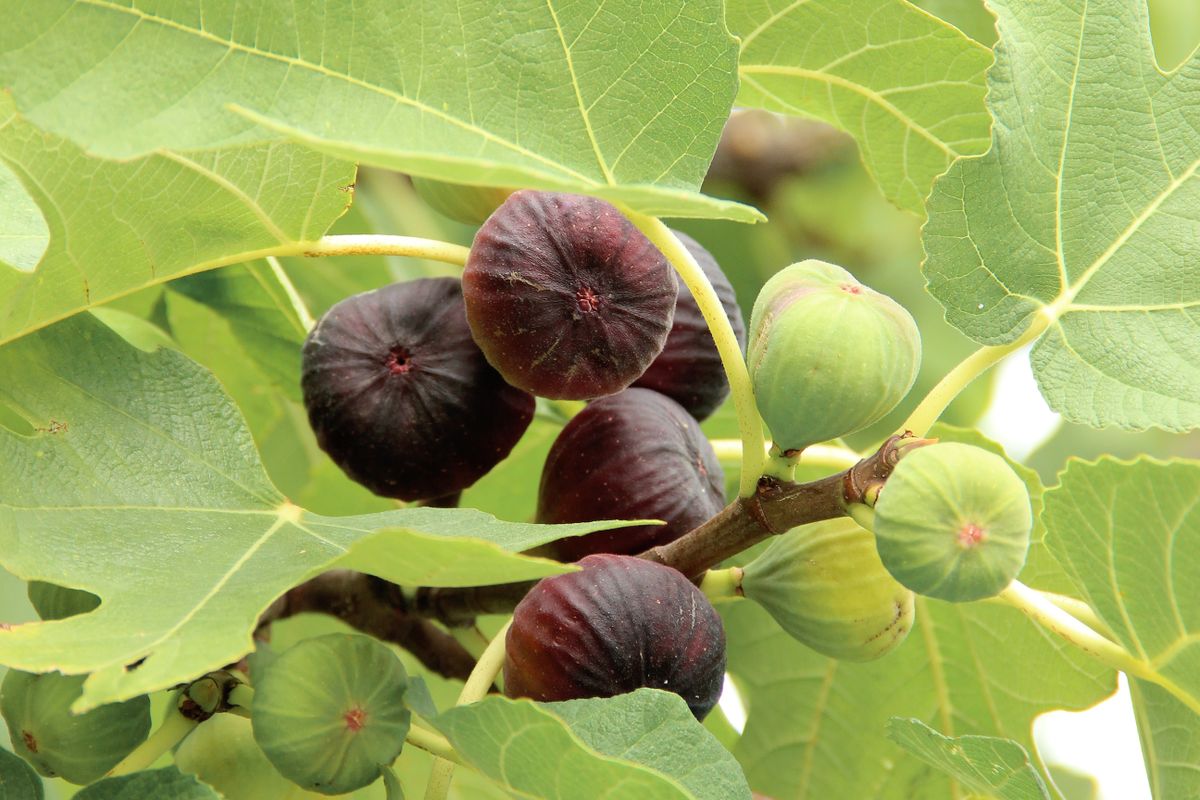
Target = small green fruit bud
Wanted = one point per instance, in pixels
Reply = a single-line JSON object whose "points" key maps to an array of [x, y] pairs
{"points": [[825, 586], [470, 205], [828, 356], [77, 747], [953, 522], [330, 711]]}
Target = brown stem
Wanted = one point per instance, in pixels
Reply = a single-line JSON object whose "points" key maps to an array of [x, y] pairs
{"points": [[775, 508], [365, 603]]}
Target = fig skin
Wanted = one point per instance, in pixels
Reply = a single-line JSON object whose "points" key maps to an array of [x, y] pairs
{"points": [[400, 396], [567, 299], [79, 748], [222, 753], [689, 369], [828, 356], [634, 455], [953, 522], [461, 202], [826, 587], [620, 624]]}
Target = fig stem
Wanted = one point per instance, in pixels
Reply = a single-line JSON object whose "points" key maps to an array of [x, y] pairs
{"points": [[372, 244], [170, 733], [1042, 610], [750, 426], [304, 316], [956, 380], [722, 584], [831, 455], [433, 743], [863, 514], [479, 682]]}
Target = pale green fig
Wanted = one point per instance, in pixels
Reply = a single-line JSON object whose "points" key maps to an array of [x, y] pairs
{"points": [[222, 753], [52, 601], [825, 586], [953, 522], [460, 202], [77, 747], [330, 712], [827, 355]]}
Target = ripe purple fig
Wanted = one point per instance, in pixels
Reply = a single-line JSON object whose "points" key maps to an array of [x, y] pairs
{"points": [[400, 396], [689, 369], [634, 455], [618, 625], [566, 297]]}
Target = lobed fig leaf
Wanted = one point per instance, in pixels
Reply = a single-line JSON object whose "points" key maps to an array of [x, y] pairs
{"points": [[79, 748], [329, 712], [827, 355], [826, 587], [222, 753], [689, 368], [401, 397], [619, 624], [566, 297], [461, 202], [634, 455], [953, 521]]}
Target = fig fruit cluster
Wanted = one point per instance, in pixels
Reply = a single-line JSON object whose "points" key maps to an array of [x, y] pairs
{"points": [[418, 389]]}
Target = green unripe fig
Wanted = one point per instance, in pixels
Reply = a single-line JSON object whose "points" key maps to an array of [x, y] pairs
{"points": [[330, 711], [77, 747], [460, 202], [827, 355], [825, 586], [222, 753], [953, 522], [52, 601]]}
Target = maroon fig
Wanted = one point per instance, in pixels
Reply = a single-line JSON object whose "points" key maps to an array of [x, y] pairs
{"points": [[634, 455], [689, 369], [401, 397], [619, 624], [565, 296]]}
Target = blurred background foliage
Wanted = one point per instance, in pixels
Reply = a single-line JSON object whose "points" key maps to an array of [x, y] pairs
{"points": [[821, 203]]}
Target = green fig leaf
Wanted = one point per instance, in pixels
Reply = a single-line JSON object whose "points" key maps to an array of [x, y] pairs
{"points": [[955, 672], [255, 299], [1128, 534], [646, 744], [18, 779], [161, 784], [1167, 729], [1044, 237], [24, 234], [119, 226], [908, 87], [994, 767], [626, 101], [51, 601], [182, 535]]}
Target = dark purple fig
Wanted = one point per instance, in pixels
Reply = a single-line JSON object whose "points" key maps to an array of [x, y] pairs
{"points": [[634, 455], [689, 369], [620, 624], [566, 297], [401, 397]]}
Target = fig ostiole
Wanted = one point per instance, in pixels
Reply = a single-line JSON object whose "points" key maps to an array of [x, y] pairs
{"points": [[634, 455], [827, 355], [619, 624], [400, 396], [461, 202], [953, 522], [826, 587], [79, 748], [567, 299], [330, 711], [689, 368]]}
